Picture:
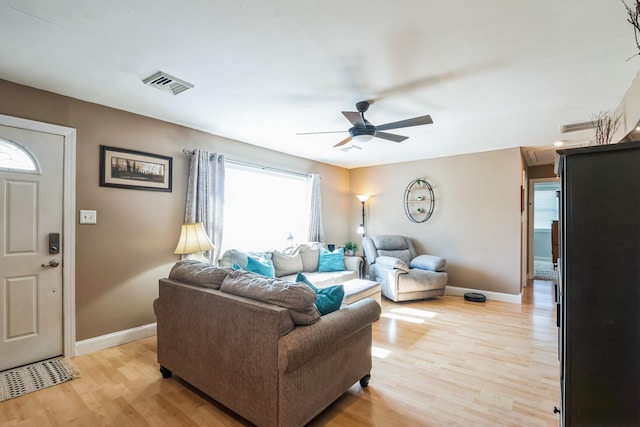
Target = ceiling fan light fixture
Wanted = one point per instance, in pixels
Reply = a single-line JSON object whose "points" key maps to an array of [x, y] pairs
{"points": [[362, 138], [362, 134]]}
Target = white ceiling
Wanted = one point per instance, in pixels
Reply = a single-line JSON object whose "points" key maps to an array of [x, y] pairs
{"points": [[492, 74]]}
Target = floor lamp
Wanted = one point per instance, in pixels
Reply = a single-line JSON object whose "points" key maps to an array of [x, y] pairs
{"points": [[363, 198]]}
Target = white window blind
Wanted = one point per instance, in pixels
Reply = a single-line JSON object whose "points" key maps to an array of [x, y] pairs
{"points": [[546, 205]]}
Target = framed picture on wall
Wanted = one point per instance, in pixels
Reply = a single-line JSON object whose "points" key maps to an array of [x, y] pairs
{"points": [[134, 170]]}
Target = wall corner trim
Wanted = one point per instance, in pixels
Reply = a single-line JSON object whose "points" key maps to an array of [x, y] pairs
{"points": [[495, 296], [116, 338]]}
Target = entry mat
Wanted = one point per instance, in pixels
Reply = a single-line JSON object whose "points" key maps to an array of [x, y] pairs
{"points": [[36, 376]]}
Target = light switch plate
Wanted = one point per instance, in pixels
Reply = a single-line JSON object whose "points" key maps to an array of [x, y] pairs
{"points": [[88, 217]]}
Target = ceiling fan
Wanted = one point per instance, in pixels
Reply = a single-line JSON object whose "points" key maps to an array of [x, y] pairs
{"points": [[363, 131]]}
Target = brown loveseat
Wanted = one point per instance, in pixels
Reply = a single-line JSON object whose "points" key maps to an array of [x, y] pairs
{"points": [[248, 354]]}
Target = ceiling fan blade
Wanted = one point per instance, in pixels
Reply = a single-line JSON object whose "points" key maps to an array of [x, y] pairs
{"points": [[416, 121], [317, 133], [391, 136], [344, 141], [354, 117]]}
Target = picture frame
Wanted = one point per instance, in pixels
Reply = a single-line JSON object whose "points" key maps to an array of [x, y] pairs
{"points": [[135, 170]]}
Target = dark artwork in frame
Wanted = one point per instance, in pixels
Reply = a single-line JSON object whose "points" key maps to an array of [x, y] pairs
{"points": [[135, 170]]}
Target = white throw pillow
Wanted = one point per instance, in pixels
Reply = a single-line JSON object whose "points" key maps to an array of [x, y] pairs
{"points": [[310, 254], [286, 264]]}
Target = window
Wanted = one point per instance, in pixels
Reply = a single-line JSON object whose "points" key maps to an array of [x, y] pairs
{"points": [[263, 208], [546, 205], [14, 157]]}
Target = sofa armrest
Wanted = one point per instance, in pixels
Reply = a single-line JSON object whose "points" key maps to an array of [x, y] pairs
{"points": [[383, 270], [353, 263], [392, 262], [429, 262], [306, 342], [389, 277]]}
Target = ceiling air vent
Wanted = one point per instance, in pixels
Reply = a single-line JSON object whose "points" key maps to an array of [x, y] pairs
{"points": [[167, 83], [574, 127]]}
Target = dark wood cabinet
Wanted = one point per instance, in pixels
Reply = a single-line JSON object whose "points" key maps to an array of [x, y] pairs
{"points": [[599, 285]]}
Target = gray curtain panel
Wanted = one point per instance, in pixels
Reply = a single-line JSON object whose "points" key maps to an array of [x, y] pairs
{"points": [[316, 229], [205, 196]]}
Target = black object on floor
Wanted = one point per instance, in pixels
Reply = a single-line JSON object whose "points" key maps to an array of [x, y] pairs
{"points": [[474, 297]]}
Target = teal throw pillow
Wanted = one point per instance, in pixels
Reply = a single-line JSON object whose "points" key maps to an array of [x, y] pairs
{"points": [[328, 299], [261, 266], [236, 267], [331, 261]]}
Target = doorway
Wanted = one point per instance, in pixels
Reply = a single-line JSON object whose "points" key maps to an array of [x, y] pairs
{"points": [[544, 210], [32, 246]]}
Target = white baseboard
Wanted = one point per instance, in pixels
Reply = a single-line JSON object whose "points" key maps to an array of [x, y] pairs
{"points": [[117, 338], [495, 296]]}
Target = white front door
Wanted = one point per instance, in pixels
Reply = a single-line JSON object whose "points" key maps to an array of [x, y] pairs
{"points": [[31, 322]]}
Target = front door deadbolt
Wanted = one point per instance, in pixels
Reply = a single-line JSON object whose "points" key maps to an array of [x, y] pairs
{"points": [[54, 243]]}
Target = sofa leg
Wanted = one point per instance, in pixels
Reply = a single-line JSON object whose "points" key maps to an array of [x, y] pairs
{"points": [[167, 373], [364, 381]]}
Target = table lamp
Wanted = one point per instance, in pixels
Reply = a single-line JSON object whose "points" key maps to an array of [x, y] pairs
{"points": [[193, 242]]}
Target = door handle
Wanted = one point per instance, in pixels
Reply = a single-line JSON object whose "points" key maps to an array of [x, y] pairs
{"points": [[53, 263]]}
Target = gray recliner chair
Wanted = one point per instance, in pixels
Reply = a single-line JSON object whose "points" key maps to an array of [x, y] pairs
{"points": [[403, 274]]}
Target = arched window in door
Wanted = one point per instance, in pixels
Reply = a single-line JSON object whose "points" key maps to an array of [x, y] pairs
{"points": [[14, 157]]}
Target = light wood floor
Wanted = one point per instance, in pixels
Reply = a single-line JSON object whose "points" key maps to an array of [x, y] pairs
{"points": [[443, 362]]}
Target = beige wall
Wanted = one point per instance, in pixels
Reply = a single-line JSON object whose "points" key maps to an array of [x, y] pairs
{"points": [[542, 171], [476, 221], [120, 260]]}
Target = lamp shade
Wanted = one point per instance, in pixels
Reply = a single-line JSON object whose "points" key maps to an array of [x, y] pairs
{"points": [[193, 239], [362, 197]]}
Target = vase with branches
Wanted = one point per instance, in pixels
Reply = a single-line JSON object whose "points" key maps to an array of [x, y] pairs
{"points": [[605, 126], [633, 18]]}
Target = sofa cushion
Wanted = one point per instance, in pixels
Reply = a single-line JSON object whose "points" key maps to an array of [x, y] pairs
{"points": [[262, 266], [403, 254], [331, 261], [321, 280], [392, 262], [328, 299], [390, 242], [297, 298], [394, 246], [428, 262], [239, 257], [198, 273], [287, 263], [310, 254]]}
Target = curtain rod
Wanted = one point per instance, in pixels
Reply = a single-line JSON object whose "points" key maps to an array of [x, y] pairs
{"points": [[252, 165]]}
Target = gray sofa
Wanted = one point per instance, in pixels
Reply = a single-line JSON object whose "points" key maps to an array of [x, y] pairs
{"points": [[258, 345], [302, 258]]}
